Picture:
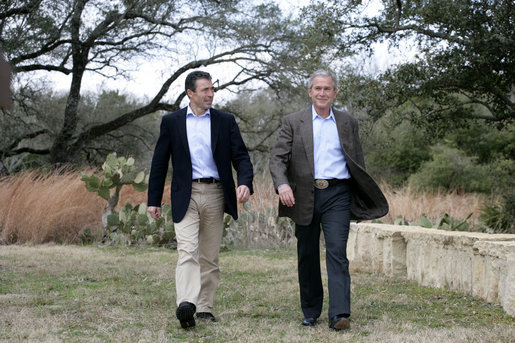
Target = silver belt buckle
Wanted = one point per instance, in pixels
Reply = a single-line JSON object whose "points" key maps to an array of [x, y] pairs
{"points": [[321, 184]]}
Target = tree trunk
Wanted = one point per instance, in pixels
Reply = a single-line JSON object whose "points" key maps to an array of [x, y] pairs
{"points": [[3, 170], [61, 151]]}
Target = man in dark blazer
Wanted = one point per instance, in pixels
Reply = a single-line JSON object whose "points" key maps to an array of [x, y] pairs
{"points": [[318, 170], [203, 143]]}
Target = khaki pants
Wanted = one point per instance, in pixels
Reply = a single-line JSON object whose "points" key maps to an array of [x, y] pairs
{"points": [[199, 235]]}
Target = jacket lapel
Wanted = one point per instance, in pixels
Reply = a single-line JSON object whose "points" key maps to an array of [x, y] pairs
{"points": [[183, 133], [306, 127], [343, 131], [215, 129]]}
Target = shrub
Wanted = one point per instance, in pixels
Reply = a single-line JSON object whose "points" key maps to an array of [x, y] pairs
{"points": [[499, 215], [394, 153], [499, 218], [451, 169]]}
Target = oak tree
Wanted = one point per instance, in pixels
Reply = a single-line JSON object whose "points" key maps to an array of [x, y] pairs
{"points": [[81, 37]]}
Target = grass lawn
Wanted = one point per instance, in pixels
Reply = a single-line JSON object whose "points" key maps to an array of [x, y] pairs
{"points": [[51, 293]]}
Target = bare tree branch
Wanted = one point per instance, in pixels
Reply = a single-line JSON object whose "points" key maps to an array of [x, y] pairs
{"points": [[25, 9], [28, 150], [31, 135], [414, 28]]}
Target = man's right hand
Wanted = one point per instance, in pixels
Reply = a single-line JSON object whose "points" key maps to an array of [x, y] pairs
{"points": [[155, 212], [286, 195]]}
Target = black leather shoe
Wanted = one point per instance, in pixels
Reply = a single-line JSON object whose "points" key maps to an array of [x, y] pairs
{"points": [[339, 322], [206, 315], [309, 322], [185, 313]]}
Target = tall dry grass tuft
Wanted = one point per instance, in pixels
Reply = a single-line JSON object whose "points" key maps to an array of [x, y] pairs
{"points": [[129, 194], [37, 207], [264, 196], [411, 205], [257, 229], [405, 202], [52, 207]]}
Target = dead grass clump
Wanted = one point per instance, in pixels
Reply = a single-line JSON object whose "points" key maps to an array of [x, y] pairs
{"points": [[264, 196], [52, 207], [37, 207], [411, 205], [129, 194], [405, 202]]}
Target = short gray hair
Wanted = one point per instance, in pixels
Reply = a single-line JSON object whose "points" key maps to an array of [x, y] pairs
{"points": [[323, 73]]}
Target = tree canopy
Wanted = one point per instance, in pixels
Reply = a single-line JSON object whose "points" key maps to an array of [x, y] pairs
{"points": [[465, 66], [81, 37]]}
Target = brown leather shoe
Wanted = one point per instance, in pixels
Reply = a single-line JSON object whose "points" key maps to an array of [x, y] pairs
{"points": [[339, 322]]}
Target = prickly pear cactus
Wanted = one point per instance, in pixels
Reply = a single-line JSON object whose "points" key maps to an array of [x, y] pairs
{"points": [[132, 224], [118, 171]]}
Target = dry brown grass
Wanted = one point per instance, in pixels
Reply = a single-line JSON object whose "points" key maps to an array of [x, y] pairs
{"points": [[405, 202], [264, 195], [55, 207], [411, 205]]}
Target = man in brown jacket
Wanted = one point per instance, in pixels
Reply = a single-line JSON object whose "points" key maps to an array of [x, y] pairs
{"points": [[318, 170]]}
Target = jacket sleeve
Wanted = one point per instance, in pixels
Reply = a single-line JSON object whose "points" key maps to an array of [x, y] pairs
{"points": [[159, 167], [240, 158], [281, 154]]}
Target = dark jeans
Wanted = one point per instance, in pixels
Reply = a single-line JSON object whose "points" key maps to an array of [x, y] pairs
{"points": [[332, 211]]}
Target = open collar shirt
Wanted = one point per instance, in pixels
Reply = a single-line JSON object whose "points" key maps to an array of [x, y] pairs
{"points": [[329, 158], [198, 131]]}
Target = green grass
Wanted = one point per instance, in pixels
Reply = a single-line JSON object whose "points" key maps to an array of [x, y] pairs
{"points": [[96, 294]]}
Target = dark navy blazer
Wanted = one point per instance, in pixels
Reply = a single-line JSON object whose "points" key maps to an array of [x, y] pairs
{"points": [[227, 146]]}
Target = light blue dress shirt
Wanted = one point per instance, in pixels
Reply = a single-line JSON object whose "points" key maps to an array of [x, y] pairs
{"points": [[329, 159], [198, 131]]}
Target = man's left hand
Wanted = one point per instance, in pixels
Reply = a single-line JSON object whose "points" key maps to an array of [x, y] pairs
{"points": [[243, 193]]}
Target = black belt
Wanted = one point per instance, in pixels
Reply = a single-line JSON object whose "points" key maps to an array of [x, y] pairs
{"points": [[323, 184], [206, 180]]}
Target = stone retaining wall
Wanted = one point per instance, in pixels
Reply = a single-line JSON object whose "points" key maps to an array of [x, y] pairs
{"points": [[479, 264]]}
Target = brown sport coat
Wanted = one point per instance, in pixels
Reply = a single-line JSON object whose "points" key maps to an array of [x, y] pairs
{"points": [[292, 162]]}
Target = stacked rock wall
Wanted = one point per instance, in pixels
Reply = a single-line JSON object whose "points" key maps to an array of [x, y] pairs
{"points": [[479, 264]]}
